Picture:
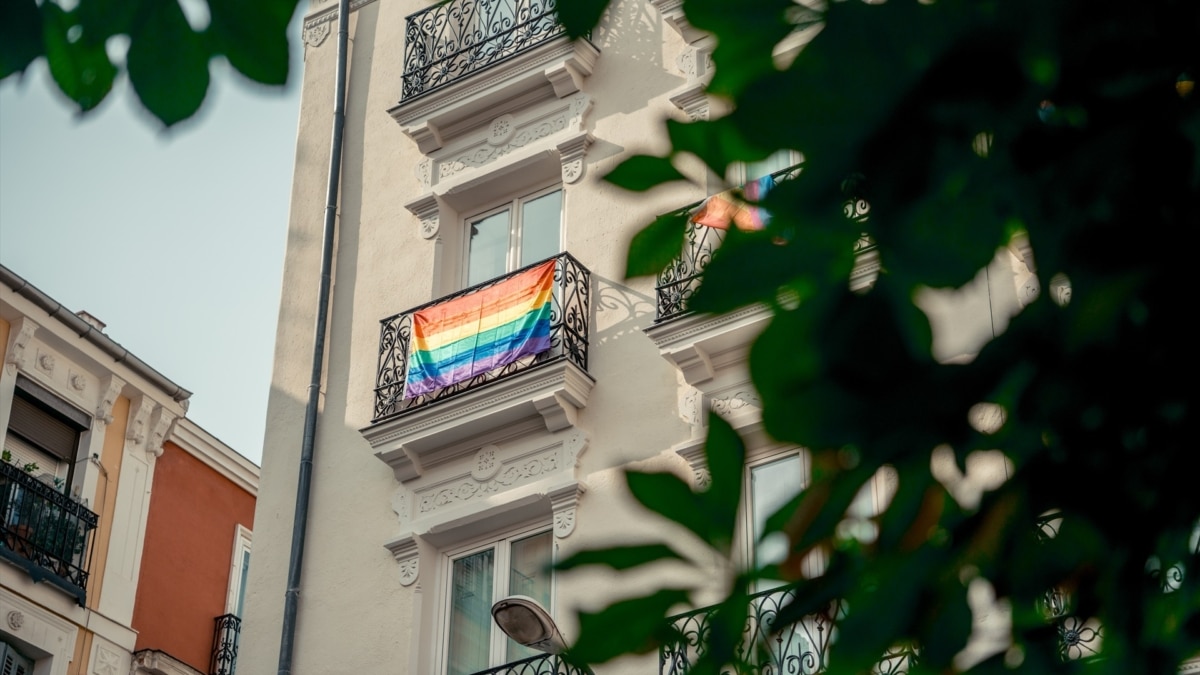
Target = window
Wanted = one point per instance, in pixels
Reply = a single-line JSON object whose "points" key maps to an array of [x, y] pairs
{"points": [[44, 431], [518, 233], [239, 567], [478, 577]]}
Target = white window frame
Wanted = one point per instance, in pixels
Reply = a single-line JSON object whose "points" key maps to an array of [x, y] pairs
{"points": [[739, 173], [501, 542], [242, 539], [515, 207]]}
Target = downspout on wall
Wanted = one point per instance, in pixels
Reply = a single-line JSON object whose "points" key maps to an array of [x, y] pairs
{"points": [[300, 521]]}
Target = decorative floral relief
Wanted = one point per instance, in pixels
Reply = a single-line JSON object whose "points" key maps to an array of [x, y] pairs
{"points": [[78, 382], [107, 662], [408, 571], [502, 129], [572, 171], [730, 404], [15, 620], [508, 477], [486, 465], [703, 477], [45, 363], [424, 171], [482, 155], [564, 522], [315, 33]]}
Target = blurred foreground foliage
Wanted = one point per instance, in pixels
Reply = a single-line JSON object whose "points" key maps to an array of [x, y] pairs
{"points": [[962, 124], [167, 59]]}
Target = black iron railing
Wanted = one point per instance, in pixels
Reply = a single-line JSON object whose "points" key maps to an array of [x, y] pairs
{"points": [[44, 531], [801, 648], [225, 645], [569, 317], [679, 281], [455, 38], [540, 664]]}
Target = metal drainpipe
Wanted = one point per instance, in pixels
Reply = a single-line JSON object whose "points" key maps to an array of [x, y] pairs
{"points": [[300, 522]]}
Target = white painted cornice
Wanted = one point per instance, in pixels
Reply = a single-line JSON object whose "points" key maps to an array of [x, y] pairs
{"points": [[197, 442]]}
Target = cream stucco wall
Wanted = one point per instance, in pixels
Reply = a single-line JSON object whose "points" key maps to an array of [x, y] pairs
{"points": [[356, 614]]}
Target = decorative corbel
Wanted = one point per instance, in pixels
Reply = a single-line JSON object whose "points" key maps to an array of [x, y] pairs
{"points": [[139, 419], [563, 502], [108, 397], [315, 31], [693, 100], [18, 343], [570, 153], [404, 549], [427, 211], [673, 16], [692, 451], [160, 428]]}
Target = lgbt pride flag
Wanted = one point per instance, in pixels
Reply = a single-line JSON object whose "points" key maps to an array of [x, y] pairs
{"points": [[722, 209], [457, 340]]}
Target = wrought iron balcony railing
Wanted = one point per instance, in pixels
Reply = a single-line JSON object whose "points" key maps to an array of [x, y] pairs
{"points": [[225, 645], [569, 317], [540, 664], [455, 38], [44, 531], [798, 649], [681, 278]]}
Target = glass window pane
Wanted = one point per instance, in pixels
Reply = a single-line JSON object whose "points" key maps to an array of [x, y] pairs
{"points": [[487, 256], [530, 575], [541, 235], [771, 486], [470, 614]]}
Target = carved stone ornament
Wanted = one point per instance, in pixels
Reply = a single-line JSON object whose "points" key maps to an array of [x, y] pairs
{"points": [[563, 502], [159, 430], [111, 389], [424, 171], [108, 662], [502, 129], [315, 32], [400, 504], [15, 620], [735, 402], [18, 342], [408, 557], [571, 152], [45, 363], [427, 211], [139, 419], [78, 382], [486, 464]]}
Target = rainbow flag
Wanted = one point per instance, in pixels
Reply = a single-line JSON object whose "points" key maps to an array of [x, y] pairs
{"points": [[457, 340], [722, 209]]}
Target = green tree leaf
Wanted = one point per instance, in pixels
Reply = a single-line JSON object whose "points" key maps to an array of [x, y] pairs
{"points": [[22, 35], [80, 67], [636, 626], [654, 248], [620, 557], [578, 17], [667, 495], [643, 172], [253, 36], [167, 62]]}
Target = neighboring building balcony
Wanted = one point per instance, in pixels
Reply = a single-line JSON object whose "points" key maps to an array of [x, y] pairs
{"points": [[225, 645], [801, 648], [499, 374], [45, 532]]}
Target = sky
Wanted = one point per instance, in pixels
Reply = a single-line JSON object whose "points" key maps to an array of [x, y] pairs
{"points": [[174, 239]]}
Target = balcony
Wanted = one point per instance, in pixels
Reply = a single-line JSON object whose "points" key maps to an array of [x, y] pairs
{"points": [[456, 38], [542, 664], [569, 317], [45, 532], [225, 645], [799, 649], [678, 282]]}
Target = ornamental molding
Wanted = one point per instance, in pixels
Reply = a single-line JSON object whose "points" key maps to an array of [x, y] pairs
{"points": [[673, 16], [326, 15], [15, 620], [692, 452], [139, 419], [510, 133], [737, 402], [553, 70], [571, 153], [407, 554], [110, 390], [693, 101], [18, 343], [45, 362], [548, 398], [563, 503], [428, 213], [314, 34], [108, 662], [160, 429], [512, 474]]}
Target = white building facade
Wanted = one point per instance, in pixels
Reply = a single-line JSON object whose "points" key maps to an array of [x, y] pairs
{"points": [[460, 167]]}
